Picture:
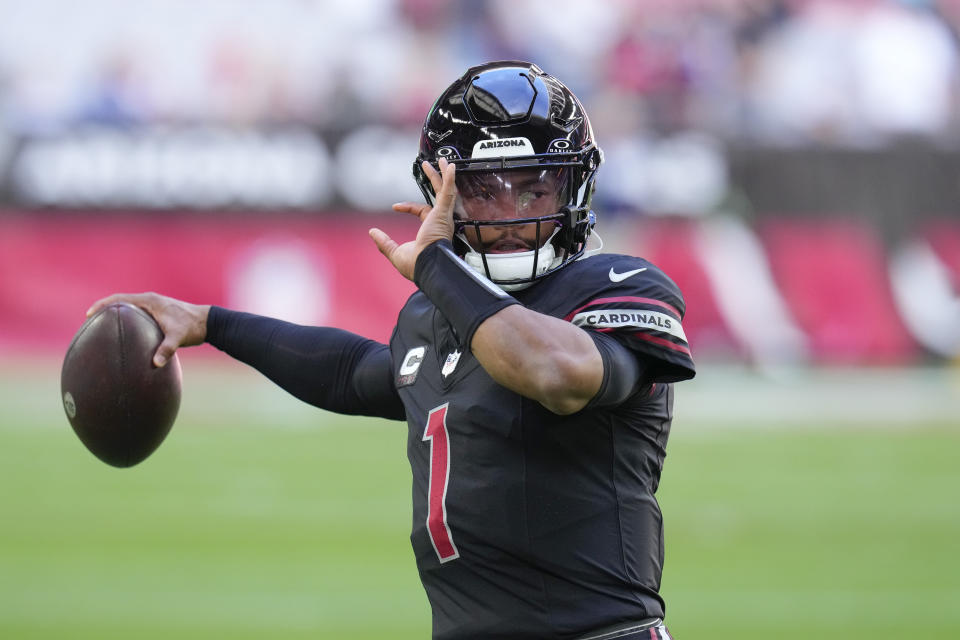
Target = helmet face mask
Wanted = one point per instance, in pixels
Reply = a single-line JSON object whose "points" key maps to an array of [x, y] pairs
{"points": [[526, 161]]}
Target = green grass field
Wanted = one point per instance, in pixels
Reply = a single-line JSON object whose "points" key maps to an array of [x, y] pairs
{"points": [[260, 517]]}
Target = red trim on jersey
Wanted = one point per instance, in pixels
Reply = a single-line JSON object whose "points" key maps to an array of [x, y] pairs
{"points": [[653, 634], [662, 342], [658, 303]]}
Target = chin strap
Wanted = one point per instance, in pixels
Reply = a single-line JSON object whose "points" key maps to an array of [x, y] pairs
{"points": [[589, 252]]}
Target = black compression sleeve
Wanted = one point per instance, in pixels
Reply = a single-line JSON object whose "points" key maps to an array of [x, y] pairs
{"points": [[623, 372], [463, 297], [328, 368]]}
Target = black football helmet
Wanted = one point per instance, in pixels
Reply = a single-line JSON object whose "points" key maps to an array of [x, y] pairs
{"points": [[501, 120]]}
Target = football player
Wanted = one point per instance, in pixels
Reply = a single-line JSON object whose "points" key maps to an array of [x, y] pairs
{"points": [[535, 373]]}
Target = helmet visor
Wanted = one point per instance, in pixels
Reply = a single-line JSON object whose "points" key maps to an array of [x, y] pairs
{"points": [[508, 195], [509, 211]]}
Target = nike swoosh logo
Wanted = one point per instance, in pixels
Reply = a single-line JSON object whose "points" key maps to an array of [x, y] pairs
{"points": [[620, 277]]}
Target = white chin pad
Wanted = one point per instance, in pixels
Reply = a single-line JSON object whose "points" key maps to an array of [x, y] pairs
{"points": [[513, 266]]}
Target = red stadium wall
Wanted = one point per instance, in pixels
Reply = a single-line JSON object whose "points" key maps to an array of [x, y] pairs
{"points": [[833, 279], [305, 270]]}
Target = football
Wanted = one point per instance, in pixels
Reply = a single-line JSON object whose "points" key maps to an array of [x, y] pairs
{"points": [[119, 404]]}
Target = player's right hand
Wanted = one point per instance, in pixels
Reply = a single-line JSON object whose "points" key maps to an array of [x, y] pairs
{"points": [[183, 324]]}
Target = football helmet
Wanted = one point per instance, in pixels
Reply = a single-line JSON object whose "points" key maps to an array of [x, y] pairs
{"points": [[526, 161]]}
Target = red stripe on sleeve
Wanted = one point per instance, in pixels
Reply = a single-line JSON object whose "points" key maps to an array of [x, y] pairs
{"points": [[662, 342], [658, 303]]}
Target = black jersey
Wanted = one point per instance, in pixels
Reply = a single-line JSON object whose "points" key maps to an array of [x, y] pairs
{"points": [[528, 524]]}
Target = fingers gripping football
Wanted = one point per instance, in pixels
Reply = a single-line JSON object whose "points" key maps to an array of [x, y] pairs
{"points": [[183, 324], [436, 222]]}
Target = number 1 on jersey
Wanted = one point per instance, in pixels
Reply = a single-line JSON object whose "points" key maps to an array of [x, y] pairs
{"points": [[436, 434]]}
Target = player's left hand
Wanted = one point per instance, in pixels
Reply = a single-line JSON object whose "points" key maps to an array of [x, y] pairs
{"points": [[436, 223]]}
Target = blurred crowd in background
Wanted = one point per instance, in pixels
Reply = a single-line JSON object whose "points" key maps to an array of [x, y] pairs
{"points": [[795, 164], [291, 93], [850, 72]]}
